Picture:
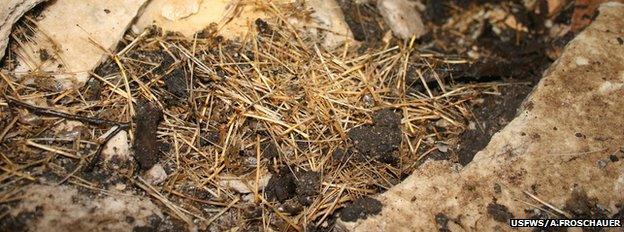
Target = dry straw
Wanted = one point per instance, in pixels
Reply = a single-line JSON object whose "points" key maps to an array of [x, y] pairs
{"points": [[272, 91]]}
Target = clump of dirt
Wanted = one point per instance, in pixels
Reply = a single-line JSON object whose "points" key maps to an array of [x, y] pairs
{"points": [[263, 27], [281, 186], [363, 22], [293, 189], [499, 212], [175, 81], [378, 141], [360, 209], [145, 142], [308, 185]]}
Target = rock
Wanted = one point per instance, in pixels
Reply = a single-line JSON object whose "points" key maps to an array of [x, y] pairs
{"points": [[10, 12], [146, 145], [178, 9], [117, 147], [74, 36], [156, 175], [402, 17], [585, 12], [232, 18], [329, 18], [243, 186], [554, 6], [64, 208], [560, 144]]}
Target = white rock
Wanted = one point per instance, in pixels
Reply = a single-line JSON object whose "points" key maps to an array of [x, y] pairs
{"points": [[10, 12], [243, 186], [118, 146], [156, 175], [234, 18], [402, 17], [546, 162], [77, 35], [178, 9], [330, 19], [64, 208]]}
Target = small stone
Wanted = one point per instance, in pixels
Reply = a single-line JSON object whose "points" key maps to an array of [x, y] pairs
{"points": [[120, 187], [442, 147], [368, 100], [329, 16], [156, 175], [402, 17], [118, 146]]}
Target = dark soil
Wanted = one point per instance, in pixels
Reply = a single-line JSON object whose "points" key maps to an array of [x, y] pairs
{"points": [[520, 62], [146, 145], [175, 82], [308, 185], [499, 212], [489, 117], [294, 190], [281, 186], [360, 209], [378, 141], [363, 22], [263, 27]]}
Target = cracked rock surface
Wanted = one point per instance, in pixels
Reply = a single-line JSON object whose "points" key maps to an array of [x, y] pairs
{"points": [[564, 148]]}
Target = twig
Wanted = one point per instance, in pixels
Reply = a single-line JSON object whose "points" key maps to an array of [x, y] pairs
{"points": [[7, 128], [51, 149], [54, 113]]}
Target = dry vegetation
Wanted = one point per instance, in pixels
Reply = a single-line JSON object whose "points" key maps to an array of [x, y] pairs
{"points": [[234, 114]]}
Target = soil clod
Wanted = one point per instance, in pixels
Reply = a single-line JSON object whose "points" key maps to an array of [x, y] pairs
{"points": [[281, 186], [499, 212], [176, 83], [301, 186], [360, 209], [379, 140], [145, 142]]}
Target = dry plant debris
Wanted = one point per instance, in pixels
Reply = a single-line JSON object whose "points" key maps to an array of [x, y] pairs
{"points": [[329, 127]]}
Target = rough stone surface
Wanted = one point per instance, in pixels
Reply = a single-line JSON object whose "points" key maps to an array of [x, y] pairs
{"points": [[402, 17], [179, 9], [65, 208], [118, 146], [10, 12], [232, 18], [330, 19], [559, 149], [156, 175], [75, 36]]}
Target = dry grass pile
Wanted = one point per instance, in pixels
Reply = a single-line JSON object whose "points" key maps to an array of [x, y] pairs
{"points": [[256, 133]]}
